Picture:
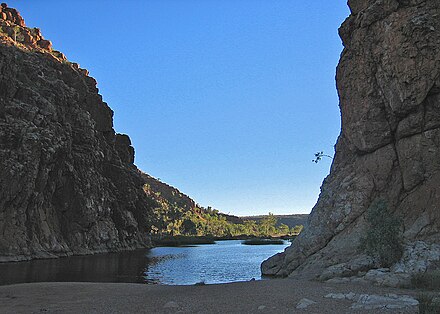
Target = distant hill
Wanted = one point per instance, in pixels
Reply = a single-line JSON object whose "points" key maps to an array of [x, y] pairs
{"points": [[231, 218], [289, 220]]}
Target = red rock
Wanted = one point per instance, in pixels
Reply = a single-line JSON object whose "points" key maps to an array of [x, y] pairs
{"points": [[84, 71], [45, 44], [19, 20], [27, 38], [36, 32]]}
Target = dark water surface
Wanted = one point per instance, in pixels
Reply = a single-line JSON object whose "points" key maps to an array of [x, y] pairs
{"points": [[224, 261]]}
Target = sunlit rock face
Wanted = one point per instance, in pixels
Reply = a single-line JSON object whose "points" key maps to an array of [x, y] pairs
{"points": [[68, 184], [389, 147]]}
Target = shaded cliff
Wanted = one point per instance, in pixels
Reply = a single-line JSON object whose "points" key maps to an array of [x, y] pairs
{"points": [[68, 184], [389, 147]]}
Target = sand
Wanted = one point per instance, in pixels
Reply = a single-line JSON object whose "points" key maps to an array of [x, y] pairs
{"points": [[266, 296]]}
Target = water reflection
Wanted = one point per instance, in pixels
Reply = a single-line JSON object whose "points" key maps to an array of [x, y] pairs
{"points": [[224, 261], [111, 267]]}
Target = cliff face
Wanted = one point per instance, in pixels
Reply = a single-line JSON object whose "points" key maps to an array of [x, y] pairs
{"points": [[389, 147], [68, 184]]}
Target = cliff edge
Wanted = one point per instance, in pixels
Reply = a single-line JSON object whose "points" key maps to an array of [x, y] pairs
{"points": [[389, 147], [68, 184]]}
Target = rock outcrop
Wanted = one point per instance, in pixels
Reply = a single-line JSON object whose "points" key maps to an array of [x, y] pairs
{"points": [[388, 81], [68, 184]]}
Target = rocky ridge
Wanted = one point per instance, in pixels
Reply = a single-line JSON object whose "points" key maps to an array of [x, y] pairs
{"points": [[289, 220], [68, 184], [388, 81]]}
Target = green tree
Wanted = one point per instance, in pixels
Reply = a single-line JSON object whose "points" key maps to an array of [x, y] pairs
{"points": [[297, 230], [189, 227], [16, 30], [283, 229], [267, 225], [250, 227]]}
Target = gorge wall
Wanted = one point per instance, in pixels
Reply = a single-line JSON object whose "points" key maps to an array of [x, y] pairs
{"points": [[68, 184], [388, 80]]}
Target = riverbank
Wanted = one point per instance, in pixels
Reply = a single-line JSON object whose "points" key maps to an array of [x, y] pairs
{"points": [[266, 296], [179, 240]]}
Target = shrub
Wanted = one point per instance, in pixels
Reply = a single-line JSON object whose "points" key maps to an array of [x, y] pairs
{"points": [[428, 303], [383, 239], [428, 280]]}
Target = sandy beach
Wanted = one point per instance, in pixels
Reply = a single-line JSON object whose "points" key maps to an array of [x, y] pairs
{"points": [[266, 296]]}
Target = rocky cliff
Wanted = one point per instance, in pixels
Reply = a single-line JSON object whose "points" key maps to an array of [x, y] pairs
{"points": [[388, 81], [68, 184]]}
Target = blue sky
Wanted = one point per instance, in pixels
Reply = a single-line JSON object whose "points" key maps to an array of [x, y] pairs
{"points": [[226, 100]]}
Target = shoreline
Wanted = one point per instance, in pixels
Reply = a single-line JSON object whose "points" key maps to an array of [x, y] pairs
{"points": [[177, 240], [262, 296]]}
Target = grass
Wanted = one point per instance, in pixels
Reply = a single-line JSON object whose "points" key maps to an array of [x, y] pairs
{"points": [[262, 241]]}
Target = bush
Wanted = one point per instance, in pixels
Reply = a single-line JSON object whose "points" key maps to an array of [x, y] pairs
{"points": [[429, 280], [428, 303], [383, 240]]}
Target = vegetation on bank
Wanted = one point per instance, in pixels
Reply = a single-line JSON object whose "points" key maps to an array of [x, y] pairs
{"points": [[174, 216], [181, 240], [259, 241], [209, 222]]}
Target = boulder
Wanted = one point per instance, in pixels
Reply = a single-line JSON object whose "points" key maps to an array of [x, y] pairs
{"points": [[304, 303]]}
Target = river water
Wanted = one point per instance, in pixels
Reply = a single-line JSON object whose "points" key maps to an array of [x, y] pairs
{"points": [[222, 262]]}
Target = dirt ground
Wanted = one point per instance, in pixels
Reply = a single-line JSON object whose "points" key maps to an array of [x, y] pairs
{"points": [[267, 296]]}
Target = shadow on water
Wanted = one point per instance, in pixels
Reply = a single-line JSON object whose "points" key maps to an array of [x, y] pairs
{"points": [[221, 262], [110, 267]]}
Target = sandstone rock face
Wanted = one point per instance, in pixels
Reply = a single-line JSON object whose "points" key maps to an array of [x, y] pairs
{"points": [[68, 184], [388, 81]]}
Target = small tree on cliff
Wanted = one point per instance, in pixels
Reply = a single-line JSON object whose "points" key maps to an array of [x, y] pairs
{"points": [[319, 155], [16, 30]]}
